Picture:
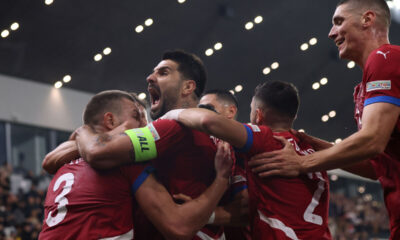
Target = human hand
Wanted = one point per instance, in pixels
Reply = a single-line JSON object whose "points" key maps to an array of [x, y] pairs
{"points": [[73, 135], [223, 160], [317, 143], [284, 162]]}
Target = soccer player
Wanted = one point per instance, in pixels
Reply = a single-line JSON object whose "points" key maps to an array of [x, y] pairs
{"points": [[226, 104], [280, 208], [83, 203], [222, 101], [360, 31]]}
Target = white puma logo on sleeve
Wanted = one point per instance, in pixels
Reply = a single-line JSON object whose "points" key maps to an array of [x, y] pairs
{"points": [[383, 54]]}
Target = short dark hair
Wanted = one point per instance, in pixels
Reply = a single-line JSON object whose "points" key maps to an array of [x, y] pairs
{"points": [[102, 102], [224, 95], [380, 6], [190, 66], [281, 96]]}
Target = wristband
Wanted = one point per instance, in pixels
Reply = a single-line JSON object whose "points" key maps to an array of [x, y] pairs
{"points": [[211, 220]]}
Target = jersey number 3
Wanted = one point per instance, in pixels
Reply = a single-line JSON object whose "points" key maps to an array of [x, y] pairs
{"points": [[62, 201]]}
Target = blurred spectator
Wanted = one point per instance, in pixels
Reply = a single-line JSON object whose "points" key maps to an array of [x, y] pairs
{"points": [[21, 203], [357, 218]]}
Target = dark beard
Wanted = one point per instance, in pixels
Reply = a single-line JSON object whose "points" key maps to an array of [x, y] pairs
{"points": [[165, 107], [159, 113]]}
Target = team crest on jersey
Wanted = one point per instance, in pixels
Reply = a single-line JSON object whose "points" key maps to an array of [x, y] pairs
{"points": [[255, 128], [379, 85], [153, 131]]}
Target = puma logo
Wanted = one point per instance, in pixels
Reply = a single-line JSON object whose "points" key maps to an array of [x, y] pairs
{"points": [[383, 54]]}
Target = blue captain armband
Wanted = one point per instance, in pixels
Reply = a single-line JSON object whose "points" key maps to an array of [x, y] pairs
{"points": [[249, 141], [143, 144]]}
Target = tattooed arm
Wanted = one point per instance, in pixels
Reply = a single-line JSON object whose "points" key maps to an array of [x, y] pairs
{"points": [[105, 150]]}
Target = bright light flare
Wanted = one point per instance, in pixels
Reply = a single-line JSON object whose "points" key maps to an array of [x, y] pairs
{"points": [[67, 78]]}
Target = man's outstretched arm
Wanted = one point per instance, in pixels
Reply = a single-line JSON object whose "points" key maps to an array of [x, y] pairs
{"points": [[183, 221], [211, 123], [363, 168], [105, 150], [379, 120]]}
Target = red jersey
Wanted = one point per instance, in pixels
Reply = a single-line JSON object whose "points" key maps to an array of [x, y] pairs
{"points": [[83, 203], [238, 184], [285, 208], [184, 164], [381, 83]]}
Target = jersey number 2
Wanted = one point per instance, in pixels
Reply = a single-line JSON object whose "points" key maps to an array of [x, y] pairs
{"points": [[62, 201], [309, 216]]}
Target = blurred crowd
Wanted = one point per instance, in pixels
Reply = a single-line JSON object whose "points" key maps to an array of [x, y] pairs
{"points": [[357, 218], [22, 197], [21, 203]]}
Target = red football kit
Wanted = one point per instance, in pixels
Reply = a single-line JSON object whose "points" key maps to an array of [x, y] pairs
{"points": [[238, 184], [184, 164], [83, 203], [381, 83], [285, 208]]}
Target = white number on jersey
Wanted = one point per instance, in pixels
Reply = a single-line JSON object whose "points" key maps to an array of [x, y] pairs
{"points": [[62, 201], [308, 214]]}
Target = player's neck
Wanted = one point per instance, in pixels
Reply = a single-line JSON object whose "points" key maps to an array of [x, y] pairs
{"points": [[99, 129], [279, 126], [187, 102], [377, 40]]}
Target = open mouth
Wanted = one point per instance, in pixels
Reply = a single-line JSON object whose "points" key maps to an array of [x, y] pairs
{"points": [[155, 96], [339, 42]]}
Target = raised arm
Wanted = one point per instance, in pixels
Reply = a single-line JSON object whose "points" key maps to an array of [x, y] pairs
{"points": [[379, 120], [183, 221], [363, 168], [105, 150], [64, 153], [211, 123]]}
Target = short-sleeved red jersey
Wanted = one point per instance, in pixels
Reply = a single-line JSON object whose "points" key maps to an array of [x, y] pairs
{"points": [[285, 208], [381, 83], [83, 203], [184, 164]]}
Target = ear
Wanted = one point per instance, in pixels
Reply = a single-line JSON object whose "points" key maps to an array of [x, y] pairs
{"points": [[259, 116], [188, 87], [109, 120], [368, 18], [232, 111]]}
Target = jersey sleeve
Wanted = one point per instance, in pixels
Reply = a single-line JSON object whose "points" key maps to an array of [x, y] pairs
{"points": [[257, 138], [383, 77], [167, 134], [238, 180], [155, 139], [137, 174]]}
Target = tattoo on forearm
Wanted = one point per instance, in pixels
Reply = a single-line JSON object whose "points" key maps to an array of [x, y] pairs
{"points": [[102, 139]]}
